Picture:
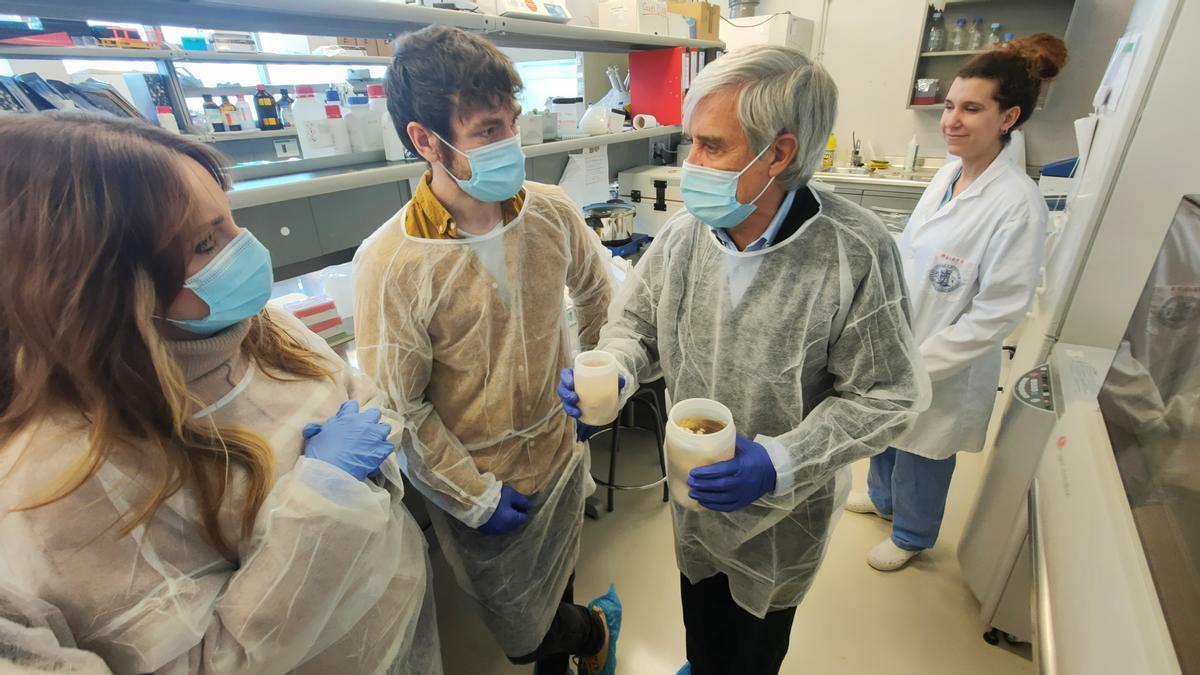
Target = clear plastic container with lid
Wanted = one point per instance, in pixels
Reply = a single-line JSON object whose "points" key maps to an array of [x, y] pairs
{"points": [[700, 432], [995, 37], [393, 147], [937, 33], [364, 123], [958, 35], [975, 35]]}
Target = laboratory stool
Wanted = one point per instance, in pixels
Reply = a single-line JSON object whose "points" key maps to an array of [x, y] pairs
{"points": [[649, 398]]}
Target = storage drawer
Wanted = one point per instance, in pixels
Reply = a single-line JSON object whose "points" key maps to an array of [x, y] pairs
{"points": [[344, 219], [287, 230], [896, 202], [853, 194]]}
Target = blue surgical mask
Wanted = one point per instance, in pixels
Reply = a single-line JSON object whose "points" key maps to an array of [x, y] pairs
{"points": [[711, 194], [235, 285], [497, 169]]}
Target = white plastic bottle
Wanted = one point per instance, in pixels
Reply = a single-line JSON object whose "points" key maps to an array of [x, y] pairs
{"points": [[596, 383], [393, 148], [312, 127], [246, 112], [910, 155], [337, 125], [699, 432], [365, 125], [166, 118]]}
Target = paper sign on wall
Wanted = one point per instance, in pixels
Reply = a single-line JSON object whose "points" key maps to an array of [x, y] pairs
{"points": [[585, 178], [1116, 75]]}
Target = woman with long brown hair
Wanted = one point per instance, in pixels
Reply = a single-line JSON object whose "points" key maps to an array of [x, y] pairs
{"points": [[184, 473], [972, 252]]}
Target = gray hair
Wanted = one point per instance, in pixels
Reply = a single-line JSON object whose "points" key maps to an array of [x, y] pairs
{"points": [[780, 91]]}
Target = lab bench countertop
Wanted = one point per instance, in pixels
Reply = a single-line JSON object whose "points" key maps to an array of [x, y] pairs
{"points": [[917, 182], [259, 191]]}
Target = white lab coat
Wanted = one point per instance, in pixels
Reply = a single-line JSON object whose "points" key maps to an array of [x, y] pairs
{"points": [[971, 267]]}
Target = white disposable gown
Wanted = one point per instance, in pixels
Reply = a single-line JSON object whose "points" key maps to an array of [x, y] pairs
{"points": [[807, 343], [971, 266], [335, 578], [471, 362], [35, 639]]}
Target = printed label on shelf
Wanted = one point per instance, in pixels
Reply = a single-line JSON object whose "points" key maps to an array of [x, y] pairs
{"points": [[287, 147]]}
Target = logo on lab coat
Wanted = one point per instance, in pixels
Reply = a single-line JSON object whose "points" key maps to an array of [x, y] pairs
{"points": [[945, 277], [1179, 311]]}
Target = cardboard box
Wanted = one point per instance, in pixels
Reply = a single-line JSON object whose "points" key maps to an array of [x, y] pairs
{"points": [[381, 48], [315, 41], [706, 15], [678, 26], [648, 17]]}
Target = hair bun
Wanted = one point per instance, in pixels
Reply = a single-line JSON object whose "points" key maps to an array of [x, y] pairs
{"points": [[1044, 54]]}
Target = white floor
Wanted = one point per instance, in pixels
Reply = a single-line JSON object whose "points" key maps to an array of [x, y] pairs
{"points": [[922, 619]]}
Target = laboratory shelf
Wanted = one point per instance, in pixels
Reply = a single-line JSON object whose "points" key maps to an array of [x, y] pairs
{"points": [[969, 52], [545, 35], [26, 52], [355, 18], [23, 52], [260, 57], [260, 191], [219, 136], [569, 144], [250, 89], [274, 189]]}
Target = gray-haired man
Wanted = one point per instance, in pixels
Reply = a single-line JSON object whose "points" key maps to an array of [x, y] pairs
{"points": [[787, 304]]}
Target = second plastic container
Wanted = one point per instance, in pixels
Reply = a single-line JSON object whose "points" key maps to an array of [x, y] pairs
{"points": [[597, 386], [700, 432]]}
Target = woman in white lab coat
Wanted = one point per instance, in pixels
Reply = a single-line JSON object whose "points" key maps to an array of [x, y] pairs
{"points": [[972, 253]]}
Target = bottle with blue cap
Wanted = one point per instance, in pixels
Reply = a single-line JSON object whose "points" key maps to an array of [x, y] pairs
{"points": [[336, 119], [365, 125]]}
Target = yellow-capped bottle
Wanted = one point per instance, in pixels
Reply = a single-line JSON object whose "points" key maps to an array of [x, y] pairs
{"points": [[830, 150], [268, 110]]}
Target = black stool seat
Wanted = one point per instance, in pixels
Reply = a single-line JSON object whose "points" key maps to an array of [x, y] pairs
{"points": [[648, 399]]}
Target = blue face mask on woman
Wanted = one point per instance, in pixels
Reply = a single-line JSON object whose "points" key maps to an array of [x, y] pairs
{"points": [[235, 285], [497, 169], [711, 194]]}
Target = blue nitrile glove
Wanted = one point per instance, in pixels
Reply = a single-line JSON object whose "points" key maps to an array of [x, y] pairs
{"points": [[570, 402], [511, 512], [355, 442], [734, 483]]}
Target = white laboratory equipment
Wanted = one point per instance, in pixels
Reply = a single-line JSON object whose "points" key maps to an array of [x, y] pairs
{"points": [[1116, 497], [1115, 578], [654, 193], [783, 30], [994, 552], [538, 10], [1127, 187]]}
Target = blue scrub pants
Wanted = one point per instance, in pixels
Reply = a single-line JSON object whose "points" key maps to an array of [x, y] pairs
{"points": [[913, 490]]}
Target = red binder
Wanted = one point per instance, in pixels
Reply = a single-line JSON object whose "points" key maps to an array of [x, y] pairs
{"points": [[656, 84]]}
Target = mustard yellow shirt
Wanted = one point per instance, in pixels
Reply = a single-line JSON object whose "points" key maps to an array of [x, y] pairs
{"points": [[428, 219]]}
